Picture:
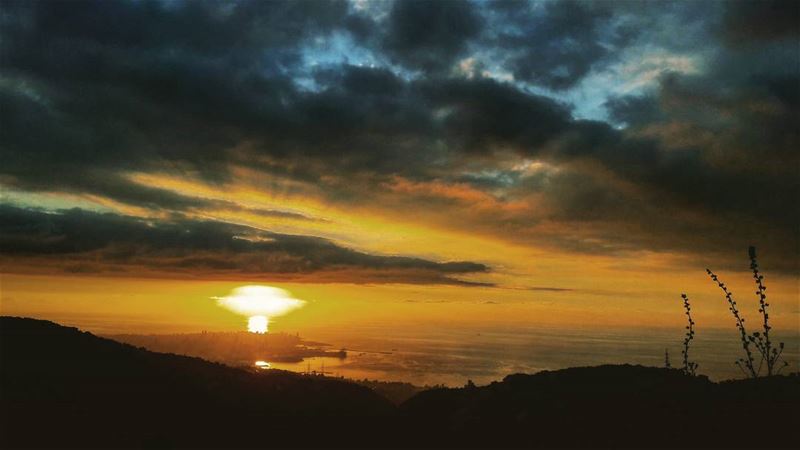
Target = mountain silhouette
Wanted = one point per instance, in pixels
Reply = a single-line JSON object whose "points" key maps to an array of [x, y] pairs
{"points": [[64, 387], [611, 406], [60, 387]]}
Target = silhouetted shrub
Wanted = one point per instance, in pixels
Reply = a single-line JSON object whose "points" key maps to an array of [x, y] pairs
{"points": [[763, 344], [769, 354]]}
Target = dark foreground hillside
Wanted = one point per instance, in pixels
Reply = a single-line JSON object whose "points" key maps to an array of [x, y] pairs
{"points": [[63, 387], [612, 406], [60, 387]]}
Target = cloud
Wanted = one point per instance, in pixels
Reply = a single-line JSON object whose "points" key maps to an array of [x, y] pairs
{"points": [[430, 35], [78, 240], [760, 21], [556, 44], [548, 289], [698, 159]]}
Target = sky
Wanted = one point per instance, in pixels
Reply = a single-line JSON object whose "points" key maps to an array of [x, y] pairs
{"points": [[557, 162]]}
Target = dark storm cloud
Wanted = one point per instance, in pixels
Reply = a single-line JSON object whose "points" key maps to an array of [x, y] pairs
{"points": [[91, 92], [364, 118], [430, 35], [558, 46], [241, 26], [133, 83], [103, 242], [730, 137], [761, 20], [481, 115], [634, 110], [154, 93]]}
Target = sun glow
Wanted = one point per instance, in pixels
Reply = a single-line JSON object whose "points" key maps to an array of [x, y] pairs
{"points": [[260, 303], [257, 324], [262, 365]]}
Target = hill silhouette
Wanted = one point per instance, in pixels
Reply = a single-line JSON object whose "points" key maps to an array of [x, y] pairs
{"points": [[611, 406], [233, 348], [60, 387], [64, 387]]}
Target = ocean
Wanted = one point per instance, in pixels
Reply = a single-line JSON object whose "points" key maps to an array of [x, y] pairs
{"points": [[451, 355]]}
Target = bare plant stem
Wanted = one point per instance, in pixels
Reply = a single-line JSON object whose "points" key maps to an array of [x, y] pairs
{"points": [[745, 364], [763, 343], [690, 368]]}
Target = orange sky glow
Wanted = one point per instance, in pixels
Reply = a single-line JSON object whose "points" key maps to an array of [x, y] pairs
{"points": [[544, 163]]}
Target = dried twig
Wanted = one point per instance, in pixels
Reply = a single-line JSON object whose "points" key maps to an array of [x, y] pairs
{"points": [[745, 364], [689, 368], [769, 354]]}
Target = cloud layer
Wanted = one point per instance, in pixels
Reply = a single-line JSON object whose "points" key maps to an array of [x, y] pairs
{"points": [[86, 242], [583, 127]]}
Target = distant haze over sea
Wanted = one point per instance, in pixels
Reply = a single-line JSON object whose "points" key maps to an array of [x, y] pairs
{"points": [[452, 354]]}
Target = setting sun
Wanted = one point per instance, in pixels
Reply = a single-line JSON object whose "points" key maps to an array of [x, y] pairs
{"points": [[257, 324], [260, 303], [262, 364]]}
